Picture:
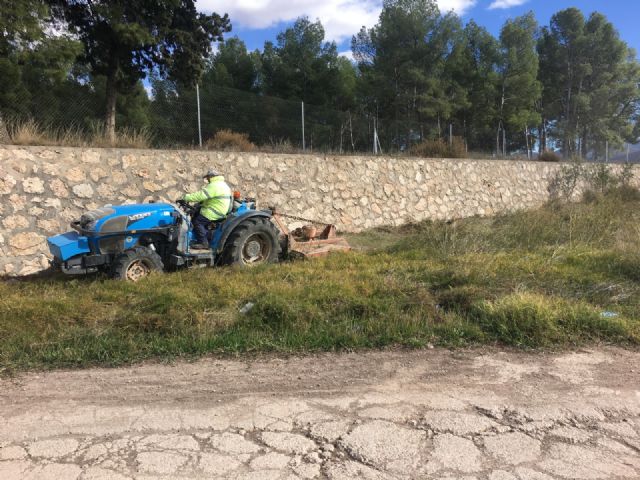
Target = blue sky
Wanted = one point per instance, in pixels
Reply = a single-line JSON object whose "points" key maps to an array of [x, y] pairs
{"points": [[255, 21]]}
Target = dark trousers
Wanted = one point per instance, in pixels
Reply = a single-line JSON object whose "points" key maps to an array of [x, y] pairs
{"points": [[201, 229]]}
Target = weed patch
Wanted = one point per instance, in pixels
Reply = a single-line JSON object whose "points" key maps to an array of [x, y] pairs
{"points": [[29, 132], [563, 275]]}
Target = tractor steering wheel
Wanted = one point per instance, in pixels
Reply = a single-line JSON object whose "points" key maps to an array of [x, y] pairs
{"points": [[189, 209]]}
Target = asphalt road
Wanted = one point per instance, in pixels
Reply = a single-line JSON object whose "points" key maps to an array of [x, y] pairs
{"points": [[472, 414]]}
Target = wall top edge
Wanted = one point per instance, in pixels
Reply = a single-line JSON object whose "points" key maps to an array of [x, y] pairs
{"points": [[63, 149]]}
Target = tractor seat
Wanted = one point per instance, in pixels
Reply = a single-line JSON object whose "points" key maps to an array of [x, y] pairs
{"points": [[214, 224]]}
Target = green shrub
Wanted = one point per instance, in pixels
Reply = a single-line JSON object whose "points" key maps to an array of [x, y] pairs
{"points": [[566, 180], [590, 196], [601, 178], [625, 193], [626, 174]]}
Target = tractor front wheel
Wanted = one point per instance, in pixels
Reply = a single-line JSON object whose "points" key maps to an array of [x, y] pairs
{"points": [[254, 242], [136, 264]]}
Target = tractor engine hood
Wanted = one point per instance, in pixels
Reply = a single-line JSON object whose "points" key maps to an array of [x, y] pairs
{"points": [[125, 218]]}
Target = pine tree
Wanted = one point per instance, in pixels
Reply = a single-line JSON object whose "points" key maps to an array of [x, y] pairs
{"points": [[303, 66], [520, 89], [590, 84], [233, 66], [472, 66], [125, 40]]}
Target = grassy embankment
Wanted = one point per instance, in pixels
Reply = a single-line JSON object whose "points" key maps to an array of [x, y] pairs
{"points": [[532, 279]]}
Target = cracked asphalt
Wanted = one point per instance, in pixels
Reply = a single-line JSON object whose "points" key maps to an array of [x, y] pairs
{"points": [[470, 414]]}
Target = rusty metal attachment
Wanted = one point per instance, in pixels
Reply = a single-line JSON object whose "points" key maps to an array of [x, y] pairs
{"points": [[308, 241]]}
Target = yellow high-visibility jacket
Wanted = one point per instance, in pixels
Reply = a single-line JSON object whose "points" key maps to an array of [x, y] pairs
{"points": [[215, 199]]}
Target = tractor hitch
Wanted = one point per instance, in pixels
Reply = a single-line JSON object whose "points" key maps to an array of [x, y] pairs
{"points": [[308, 240]]}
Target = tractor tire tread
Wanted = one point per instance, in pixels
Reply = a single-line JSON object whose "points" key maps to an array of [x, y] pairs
{"points": [[123, 260], [237, 237]]}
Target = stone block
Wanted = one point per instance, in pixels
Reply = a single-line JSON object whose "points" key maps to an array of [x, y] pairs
{"points": [[7, 182], [118, 178], [49, 226], [15, 222], [33, 185], [27, 243], [151, 186], [84, 190], [97, 174], [75, 175], [58, 188]]}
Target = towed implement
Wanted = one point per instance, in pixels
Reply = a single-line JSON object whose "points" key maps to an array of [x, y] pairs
{"points": [[130, 241], [309, 240]]}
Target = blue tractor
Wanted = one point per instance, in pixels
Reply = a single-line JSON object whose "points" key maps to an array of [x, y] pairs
{"points": [[130, 241]]}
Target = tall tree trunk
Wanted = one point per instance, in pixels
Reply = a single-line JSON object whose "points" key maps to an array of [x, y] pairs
{"points": [[353, 145], [110, 114], [501, 124], [464, 133], [567, 136], [504, 143], [576, 115]]}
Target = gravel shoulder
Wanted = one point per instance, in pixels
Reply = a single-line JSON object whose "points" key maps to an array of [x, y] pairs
{"points": [[472, 414]]}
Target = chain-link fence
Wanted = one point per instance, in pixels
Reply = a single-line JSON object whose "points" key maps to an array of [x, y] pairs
{"points": [[73, 114], [278, 123], [169, 120]]}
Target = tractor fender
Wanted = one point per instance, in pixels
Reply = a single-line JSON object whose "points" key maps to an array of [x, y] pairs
{"points": [[231, 226]]}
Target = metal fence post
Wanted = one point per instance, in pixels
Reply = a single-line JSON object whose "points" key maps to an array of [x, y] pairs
{"points": [[199, 124], [628, 148], [303, 144], [375, 136]]}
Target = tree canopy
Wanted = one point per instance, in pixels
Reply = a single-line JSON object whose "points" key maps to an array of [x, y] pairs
{"points": [[416, 75], [590, 83], [124, 41]]}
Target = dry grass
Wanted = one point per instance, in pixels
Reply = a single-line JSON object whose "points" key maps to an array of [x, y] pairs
{"points": [[440, 148], [29, 132], [230, 141], [279, 145], [125, 138]]}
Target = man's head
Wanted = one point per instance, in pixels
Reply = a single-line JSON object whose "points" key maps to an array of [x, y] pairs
{"points": [[212, 172]]}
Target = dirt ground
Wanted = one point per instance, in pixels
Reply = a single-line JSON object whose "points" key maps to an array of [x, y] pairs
{"points": [[470, 414]]}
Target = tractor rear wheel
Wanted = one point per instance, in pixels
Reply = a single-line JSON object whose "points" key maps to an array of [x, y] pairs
{"points": [[136, 264], [254, 242]]}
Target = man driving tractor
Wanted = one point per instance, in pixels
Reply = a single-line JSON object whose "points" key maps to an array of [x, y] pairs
{"points": [[215, 201]]}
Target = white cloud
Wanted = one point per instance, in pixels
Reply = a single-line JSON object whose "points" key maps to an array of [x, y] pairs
{"points": [[341, 18], [348, 54], [460, 6], [502, 4]]}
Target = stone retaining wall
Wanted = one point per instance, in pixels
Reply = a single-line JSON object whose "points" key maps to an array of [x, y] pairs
{"points": [[42, 189]]}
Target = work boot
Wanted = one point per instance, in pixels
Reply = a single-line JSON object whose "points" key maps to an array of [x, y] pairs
{"points": [[199, 246]]}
